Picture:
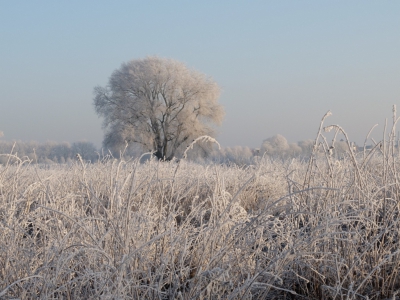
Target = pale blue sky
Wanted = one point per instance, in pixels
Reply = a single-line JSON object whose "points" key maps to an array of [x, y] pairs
{"points": [[281, 64]]}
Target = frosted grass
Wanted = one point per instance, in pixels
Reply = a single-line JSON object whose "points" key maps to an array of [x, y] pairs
{"points": [[325, 228]]}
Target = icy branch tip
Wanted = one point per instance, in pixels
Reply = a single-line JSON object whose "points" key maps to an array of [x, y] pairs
{"points": [[328, 128]]}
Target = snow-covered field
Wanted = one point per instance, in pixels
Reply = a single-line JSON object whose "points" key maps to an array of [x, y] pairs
{"points": [[324, 228]]}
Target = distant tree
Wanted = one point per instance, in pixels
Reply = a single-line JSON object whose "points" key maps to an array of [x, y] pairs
{"points": [[62, 151], [294, 150], [306, 146], [340, 147], [158, 103], [278, 146], [44, 151], [86, 150], [275, 146], [238, 154]]}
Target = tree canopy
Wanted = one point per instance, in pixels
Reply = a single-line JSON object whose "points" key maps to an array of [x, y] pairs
{"points": [[158, 103]]}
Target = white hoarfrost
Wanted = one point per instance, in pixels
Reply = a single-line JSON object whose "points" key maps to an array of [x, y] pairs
{"points": [[158, 103]]}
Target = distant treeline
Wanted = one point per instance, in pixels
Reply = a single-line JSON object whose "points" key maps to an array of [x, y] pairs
{"points": [[276, 147], [49, 152], [64, 152]]}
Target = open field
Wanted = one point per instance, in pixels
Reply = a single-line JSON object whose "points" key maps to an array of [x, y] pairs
{"points": [[323, 228]]}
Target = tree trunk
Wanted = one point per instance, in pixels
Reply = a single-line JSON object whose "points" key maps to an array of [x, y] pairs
{"points": [[159, 155]]}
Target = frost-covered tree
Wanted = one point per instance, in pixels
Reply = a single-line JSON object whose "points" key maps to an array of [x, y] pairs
{"points": [[276, 145], [306, 146], [158, 103], [238, 154], [86, 150], [294, 150], [44, 151], [62, 152]]}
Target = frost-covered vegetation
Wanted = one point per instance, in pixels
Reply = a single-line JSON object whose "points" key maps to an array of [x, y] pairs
{"points": [[322, 228], [275, 147], [49, 152], [159, 104]]}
